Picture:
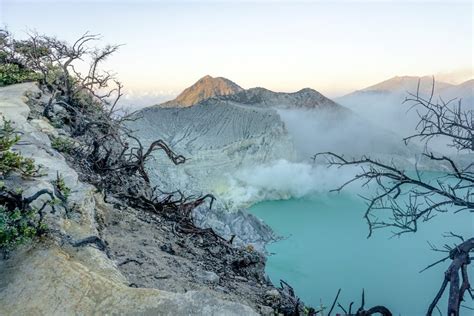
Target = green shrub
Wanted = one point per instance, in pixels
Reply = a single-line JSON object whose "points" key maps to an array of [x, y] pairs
{"points": [[62, 144], [16, 227], [12, 73], [19, 220], [11, 161]]}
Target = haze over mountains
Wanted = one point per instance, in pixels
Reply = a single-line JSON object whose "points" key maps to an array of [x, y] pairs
{"points": [[383, 103], [403, 84], [410, 84]]}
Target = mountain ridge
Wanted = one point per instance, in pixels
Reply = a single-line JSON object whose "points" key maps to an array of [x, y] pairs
{"points": [[404, 84], [400, 82], [226, 90], [305, 98]]}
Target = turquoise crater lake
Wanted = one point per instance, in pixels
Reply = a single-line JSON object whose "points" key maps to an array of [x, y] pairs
{"points": [[325, 248]]}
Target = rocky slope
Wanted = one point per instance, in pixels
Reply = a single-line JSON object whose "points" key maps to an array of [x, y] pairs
{"points": [[144, 268], [218, 137], [204, 88]]}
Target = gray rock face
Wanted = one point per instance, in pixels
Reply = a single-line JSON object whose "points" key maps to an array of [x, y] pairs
{"points": [[217, 136], [208, 276], [36, 144], [225, 133], [221, 135], [246, 228]]}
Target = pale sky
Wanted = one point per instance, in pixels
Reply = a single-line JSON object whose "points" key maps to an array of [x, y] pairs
{"points": [[334, 47]]}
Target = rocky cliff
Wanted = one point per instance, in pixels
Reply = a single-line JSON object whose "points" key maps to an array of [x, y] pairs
{"points": [[217, 136], [139, 267]]}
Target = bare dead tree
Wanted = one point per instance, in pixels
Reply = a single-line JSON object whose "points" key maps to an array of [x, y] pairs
{"points": [[137, 157], [405, 199], [7, 51], [58, 62], [89, 98]]}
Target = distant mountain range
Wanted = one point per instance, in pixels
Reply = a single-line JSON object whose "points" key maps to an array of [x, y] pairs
{"points": [[394, 89], [228, 91], [405, 83], [411, 84]]}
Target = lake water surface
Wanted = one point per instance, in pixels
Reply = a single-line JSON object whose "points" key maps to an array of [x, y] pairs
{"points": [[326, 249]]}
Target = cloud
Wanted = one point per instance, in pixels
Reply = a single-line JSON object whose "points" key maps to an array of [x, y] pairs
{"points": [[282, 179]]}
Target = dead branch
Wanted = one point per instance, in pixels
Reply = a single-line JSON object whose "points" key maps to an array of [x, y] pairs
{"points": [[394, 183], [443, 118], [361, 311], [460, 256]]}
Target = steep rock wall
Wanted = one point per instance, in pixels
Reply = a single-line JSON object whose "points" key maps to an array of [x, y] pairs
{"points": [[217, 136]]}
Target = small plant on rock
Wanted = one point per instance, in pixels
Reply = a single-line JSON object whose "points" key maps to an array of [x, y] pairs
{"points": [[11, 161], [15, 227], [61, 188], [62, 144]]}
